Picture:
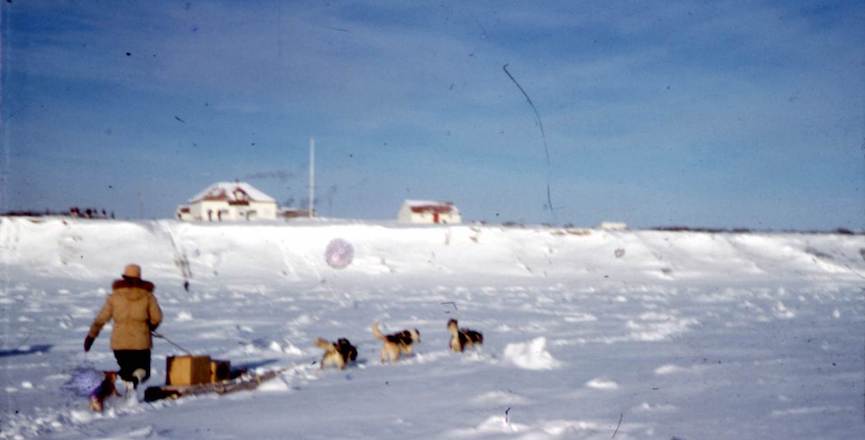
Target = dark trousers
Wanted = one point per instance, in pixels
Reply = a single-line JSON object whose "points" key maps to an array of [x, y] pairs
{"points": [[131, 360]]}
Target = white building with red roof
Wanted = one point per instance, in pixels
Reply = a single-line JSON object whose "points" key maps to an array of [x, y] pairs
{"points": [[228, 201], [428, 212]]}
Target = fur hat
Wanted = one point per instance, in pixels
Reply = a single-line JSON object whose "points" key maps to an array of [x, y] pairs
{"points": [[132, 271]]}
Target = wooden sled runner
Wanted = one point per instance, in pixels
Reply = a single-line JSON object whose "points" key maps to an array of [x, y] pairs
{"points": [[190, 375], [243, 382]]}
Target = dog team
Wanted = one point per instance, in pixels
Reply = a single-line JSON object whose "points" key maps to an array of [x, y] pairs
{"points": [[136, 314], [340, 353]]}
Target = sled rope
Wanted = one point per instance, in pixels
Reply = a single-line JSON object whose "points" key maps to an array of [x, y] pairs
{"points": [[161, 336]]}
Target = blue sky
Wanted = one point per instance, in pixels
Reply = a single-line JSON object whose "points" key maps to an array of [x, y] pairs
{"points": [[722, 114]]}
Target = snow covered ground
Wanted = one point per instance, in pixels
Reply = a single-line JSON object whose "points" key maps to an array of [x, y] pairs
{"points": [[588, 334]]}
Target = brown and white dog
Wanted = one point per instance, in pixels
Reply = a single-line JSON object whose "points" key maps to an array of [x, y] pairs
{"points": [[462, 338], [339, 353], [396, 343], [104, 390]]}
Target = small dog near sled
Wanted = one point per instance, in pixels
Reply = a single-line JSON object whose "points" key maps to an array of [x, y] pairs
{"points": [[103, 391], [395, 344], [107, 388]]}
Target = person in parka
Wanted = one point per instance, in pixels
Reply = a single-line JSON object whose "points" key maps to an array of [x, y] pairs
{"points": [[136, 313]]}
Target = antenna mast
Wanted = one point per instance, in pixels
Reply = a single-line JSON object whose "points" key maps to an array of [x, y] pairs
{"points": [[311, 177]]}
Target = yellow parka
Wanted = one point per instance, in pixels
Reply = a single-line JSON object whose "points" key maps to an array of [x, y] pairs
{"points": [[135, 312]]}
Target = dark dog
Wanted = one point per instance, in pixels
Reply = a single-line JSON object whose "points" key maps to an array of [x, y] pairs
{"points": [[396, 343], [338, 353], [462, 338], [104, 390]]}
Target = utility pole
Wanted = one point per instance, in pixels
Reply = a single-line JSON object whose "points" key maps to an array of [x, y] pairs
{"points": [[311, 177]]}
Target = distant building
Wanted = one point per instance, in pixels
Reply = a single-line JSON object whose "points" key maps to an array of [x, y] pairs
{"points": [[428, 212], [291, 213], [228, 201]]}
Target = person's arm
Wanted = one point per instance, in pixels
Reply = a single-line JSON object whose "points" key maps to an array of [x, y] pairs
{"points": [[154, 312], [103, 317]]}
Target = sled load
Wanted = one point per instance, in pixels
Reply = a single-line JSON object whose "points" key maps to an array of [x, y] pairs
{"points": [[199, 374]]}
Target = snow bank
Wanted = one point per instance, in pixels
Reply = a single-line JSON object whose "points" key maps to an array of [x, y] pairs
{"points": [[297, 252], [601, 383]]}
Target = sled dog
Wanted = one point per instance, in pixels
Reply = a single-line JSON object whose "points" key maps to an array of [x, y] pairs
{"points": [[104, 390], [338, 353], [462, 338], [396, 343]]}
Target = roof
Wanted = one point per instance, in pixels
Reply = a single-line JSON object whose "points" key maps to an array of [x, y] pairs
{"points": [[430, 206], [233, 193]]}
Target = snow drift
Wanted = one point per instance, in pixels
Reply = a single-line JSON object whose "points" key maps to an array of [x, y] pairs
{"points": [[587, 333], [296, 252]]}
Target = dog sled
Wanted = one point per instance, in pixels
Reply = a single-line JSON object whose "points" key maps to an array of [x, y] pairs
{"points": [[187, 375]]}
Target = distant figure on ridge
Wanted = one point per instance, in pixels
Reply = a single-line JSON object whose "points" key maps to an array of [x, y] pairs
{"points": [[136, 313]]}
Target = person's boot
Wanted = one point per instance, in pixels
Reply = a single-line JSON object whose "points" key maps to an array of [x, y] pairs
{"points": [[138, 375], [132, 385], [129, 393]]}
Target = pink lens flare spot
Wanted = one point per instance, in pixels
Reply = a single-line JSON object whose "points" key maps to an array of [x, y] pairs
{"points": [[339, 253]]}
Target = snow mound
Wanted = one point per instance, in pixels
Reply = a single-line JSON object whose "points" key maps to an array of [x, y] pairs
{"points": [[659, 326], [647, 407], [580, 317], [782, 312], [668, 369], [531, 355], [273, 386], [499, 398], [600, 383], [799, 411], [496, 426], [291, 349], [492, 425]]}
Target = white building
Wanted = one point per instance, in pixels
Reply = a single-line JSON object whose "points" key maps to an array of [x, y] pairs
{"points": [[429, 212], [228, 201]]}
